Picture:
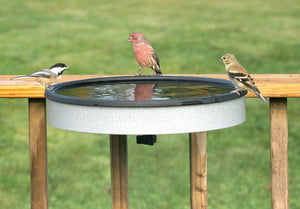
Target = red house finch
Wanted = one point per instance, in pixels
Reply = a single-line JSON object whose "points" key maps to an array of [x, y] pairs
{"points": [[239, 75], [144, 53]]}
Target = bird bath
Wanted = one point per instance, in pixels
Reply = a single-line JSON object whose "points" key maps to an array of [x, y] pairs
{"points": [[145, 105]]}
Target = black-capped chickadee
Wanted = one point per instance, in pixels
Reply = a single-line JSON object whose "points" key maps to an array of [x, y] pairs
{"points": [[47, 77]]}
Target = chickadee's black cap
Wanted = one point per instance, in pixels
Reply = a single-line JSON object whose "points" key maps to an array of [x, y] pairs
{"points": [[62, 65]]}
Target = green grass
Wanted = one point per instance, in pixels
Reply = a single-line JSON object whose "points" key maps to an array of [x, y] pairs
{"points": [[189, 37]]}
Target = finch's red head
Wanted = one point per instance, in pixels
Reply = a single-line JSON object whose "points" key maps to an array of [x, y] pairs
{"points": [[136, 38]]}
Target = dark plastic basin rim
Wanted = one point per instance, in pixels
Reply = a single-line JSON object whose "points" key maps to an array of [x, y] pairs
{"points": [[52, 95]]}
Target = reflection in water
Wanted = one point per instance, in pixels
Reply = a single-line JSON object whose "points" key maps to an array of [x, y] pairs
{"points": [[143, 91]]}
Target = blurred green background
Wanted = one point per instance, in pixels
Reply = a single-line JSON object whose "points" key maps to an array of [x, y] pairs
{"points": [[189, 37]]}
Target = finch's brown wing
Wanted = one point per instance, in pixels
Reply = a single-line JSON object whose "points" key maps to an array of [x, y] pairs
{"points": [[155, 57], [156, 68]]}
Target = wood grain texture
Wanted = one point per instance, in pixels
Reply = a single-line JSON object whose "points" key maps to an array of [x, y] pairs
{"points": [[119, 171], [38, 153], [198, 170], [279, 153], [271, 85]]}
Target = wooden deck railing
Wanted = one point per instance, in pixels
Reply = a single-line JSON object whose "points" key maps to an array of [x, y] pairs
{"points": [[278, 87]]}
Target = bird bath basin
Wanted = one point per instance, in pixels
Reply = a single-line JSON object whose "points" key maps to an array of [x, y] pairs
{"points": [[145, 105]]}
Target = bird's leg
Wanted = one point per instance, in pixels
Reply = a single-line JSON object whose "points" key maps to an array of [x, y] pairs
{"points": [[237, 91], [50, 87], [138, 72]]}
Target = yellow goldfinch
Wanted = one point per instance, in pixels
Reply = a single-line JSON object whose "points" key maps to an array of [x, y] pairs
{"points": [[239, 75]]}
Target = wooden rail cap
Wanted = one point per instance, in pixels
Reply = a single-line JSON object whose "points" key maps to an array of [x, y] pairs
{"points": [[271, 85]]}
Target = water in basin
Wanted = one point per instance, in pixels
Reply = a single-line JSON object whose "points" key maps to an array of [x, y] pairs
{"points": [[140, 91]]}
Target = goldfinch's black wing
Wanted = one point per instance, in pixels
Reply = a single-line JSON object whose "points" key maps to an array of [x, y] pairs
{"points": [[242, 76]]}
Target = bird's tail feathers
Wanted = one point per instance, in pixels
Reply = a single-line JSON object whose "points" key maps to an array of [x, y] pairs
{"points": [[156, 69], [20, 77], [262, 98], [257, 92]]}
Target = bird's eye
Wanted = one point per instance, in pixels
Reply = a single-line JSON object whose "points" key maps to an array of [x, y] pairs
{"points": [[132, 36], [224, 58]]}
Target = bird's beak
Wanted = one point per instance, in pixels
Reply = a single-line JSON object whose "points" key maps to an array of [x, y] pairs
{"points": [[129, 39], [221, 59]]}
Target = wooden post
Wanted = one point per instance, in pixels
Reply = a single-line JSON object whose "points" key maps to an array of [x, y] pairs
{"points": [[119, 171], [38, 152], [279, 153], [198, 170]]}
